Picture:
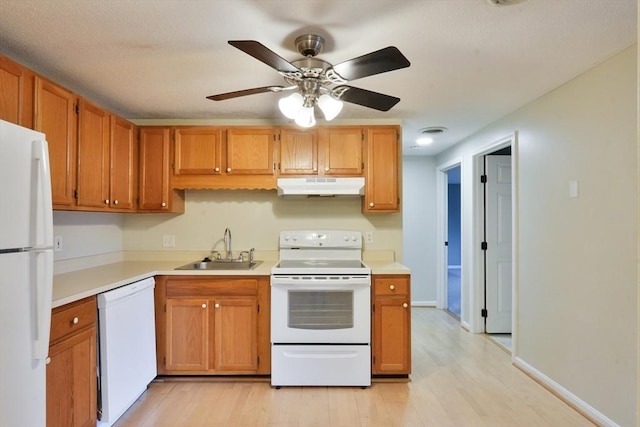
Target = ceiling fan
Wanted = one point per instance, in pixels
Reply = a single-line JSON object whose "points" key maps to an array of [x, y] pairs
{"points": [[316, 81]]}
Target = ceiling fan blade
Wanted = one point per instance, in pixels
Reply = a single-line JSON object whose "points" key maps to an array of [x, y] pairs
{"points": [[238, 93], [366, 98], [380, 61], [264, 54]]}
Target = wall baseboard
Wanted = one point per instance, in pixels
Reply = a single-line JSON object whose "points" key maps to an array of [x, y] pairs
{"points": [[423, 303], [563, 394]]}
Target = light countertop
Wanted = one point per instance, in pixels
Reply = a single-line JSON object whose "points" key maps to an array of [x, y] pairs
{"points": [[75, 285]]}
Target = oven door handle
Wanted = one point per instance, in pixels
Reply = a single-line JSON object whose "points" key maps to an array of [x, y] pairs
{"points": [[353, 281]]}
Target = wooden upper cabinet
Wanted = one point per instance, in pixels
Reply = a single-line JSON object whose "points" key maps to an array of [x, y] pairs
{"points": [[198, 151], [123, 157], [155, 155], [250, 151], [16, 93], [341, 151], [55, 117], [298, 152], [382, 192], [93, 156]]}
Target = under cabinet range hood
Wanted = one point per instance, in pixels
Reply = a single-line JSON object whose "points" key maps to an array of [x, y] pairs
{"points": [[306, 187]]}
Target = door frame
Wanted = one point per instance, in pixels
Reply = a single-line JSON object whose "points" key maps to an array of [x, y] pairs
{"points": [[478, 229], [441, 233]]}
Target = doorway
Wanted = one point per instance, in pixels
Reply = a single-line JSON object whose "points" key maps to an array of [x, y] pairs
{"points": [[454, 242]]}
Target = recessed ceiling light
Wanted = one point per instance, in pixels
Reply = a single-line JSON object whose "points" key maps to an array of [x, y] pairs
{"points": [[424, 140]]}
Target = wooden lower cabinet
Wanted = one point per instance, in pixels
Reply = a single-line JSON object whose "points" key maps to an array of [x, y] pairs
{"points": [[391, 325], [71, 369], [212, 325]]}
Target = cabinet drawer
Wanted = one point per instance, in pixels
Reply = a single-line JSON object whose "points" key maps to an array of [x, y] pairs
{"points": [[391, 286], [206, 287], [73, 317]]}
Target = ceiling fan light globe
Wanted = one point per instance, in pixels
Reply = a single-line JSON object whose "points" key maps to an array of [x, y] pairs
{"points": [[291, 105], [330, 106], [305, 117]]}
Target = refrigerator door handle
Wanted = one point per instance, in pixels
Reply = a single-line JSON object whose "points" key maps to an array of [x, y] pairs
{"points": [[43, 203], [43, 295]]}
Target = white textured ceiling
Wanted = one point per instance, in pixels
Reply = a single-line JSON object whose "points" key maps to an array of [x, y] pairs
{"points": [[471, 61]]}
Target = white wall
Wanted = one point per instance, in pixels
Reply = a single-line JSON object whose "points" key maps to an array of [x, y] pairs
{"points": [[87, 233], [255, 219], [577, 287], [419, 227]]}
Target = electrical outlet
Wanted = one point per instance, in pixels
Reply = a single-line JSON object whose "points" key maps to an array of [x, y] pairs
{"points": [[57, 243], [168, 241], [368, 236]]}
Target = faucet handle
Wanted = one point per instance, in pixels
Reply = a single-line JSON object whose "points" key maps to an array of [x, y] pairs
{"points": [[216, 255], [251, 254]]}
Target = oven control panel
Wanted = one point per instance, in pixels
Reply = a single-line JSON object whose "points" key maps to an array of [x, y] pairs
{"points": [[320, 239]]}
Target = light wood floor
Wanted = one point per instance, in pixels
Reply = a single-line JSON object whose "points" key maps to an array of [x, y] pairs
{"points": [[459, 379]]}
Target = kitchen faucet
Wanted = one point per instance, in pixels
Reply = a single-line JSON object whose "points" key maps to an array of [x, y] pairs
{"points": [[227, 243]]}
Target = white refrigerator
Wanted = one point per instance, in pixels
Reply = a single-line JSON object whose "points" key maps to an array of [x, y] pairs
{"points": [[26, 274]]}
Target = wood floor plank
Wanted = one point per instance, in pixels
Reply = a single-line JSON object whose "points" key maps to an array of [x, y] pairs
{"points": [[459, 380]]}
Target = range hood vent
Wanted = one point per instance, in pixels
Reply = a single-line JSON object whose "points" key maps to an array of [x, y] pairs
{"points": [[320, 187]]}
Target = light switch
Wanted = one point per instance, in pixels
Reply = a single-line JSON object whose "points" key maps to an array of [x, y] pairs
{"points": [[573, 188]]}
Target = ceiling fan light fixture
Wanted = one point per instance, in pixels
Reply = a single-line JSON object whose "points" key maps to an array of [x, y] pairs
{"points": [[305, 117], [291, 105], [330, 106]]}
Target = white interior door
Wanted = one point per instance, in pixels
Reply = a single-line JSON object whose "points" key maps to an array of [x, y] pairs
{"points": [[498, 236]]}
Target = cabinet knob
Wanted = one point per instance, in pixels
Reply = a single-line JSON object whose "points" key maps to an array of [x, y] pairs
{"points": [[371, 204], [47, 360], [228, 169], [204, 305], [164, 204], [106, 202], [326, 169], [217, 305], [315, 169], [392, 287], [405, 305], [75, 320], [217, 169], [115, 202]]}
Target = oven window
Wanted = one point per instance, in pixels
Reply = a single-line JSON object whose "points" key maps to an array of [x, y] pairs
{"points": [[321, 309]]}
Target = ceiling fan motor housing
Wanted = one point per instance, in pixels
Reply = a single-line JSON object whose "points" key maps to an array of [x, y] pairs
{"points": [[309, 44]]}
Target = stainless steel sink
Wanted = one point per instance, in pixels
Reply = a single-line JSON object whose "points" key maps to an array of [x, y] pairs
{"points": [[220, 264]]}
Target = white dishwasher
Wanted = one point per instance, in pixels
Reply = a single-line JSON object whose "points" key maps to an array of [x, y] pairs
{"points": [[127, 342]]}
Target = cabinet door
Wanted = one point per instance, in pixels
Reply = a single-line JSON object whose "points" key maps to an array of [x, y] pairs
{"points": [[341, 151], [55, 117], [382, 170], [187, 332], [236, 334], [154, 169], [298, 152], [198, 151], [71, 381], [93, 156], [11, 91], [250, 151], [123, 165], [391, 341]]}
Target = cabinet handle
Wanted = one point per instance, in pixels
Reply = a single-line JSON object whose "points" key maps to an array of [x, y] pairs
{"points": [[315, 169], [392, 287], [217, 169], [326, 169], [115, 202], [371, 204], [106, 202], [405, 305], [75, 320], [163, 204], [228, 169], [47, 360], [217, 305], [204, 305]]}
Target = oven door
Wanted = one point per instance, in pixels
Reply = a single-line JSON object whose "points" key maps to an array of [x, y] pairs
{"points": [[321, 309]]}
